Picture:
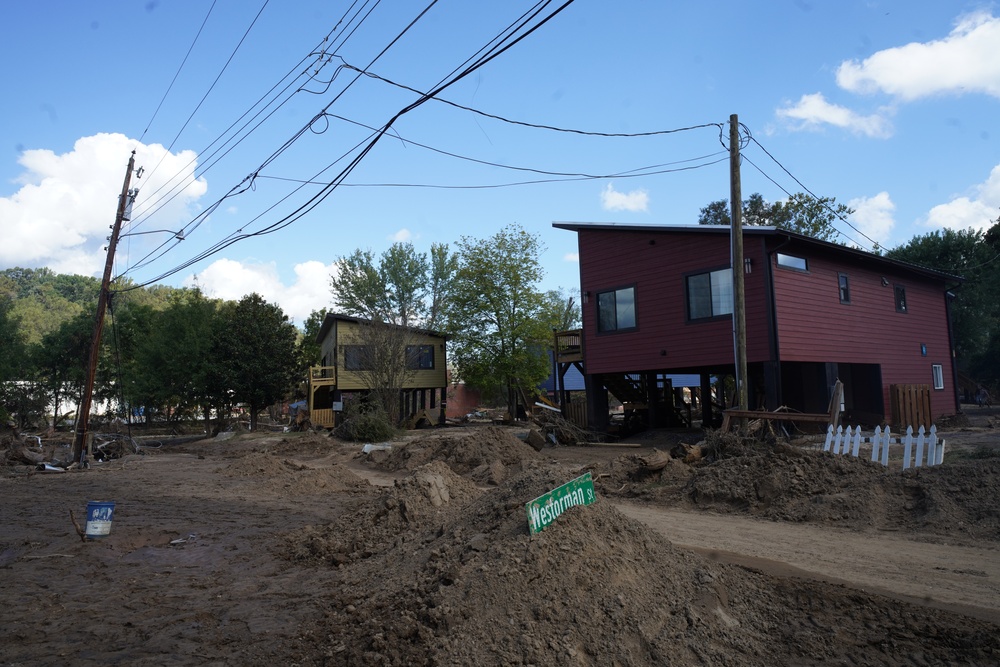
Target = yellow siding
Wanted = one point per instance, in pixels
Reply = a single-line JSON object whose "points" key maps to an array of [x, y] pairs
{"points": [[347, 333]]}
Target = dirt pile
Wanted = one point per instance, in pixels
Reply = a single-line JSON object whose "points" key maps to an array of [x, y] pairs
{"points": [[489, 454], [784, 483], [275, 473], [468, 584], [387, 520]]}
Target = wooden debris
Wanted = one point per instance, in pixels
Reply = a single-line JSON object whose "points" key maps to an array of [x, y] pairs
{"points": [[535, 439], [656, 461]]}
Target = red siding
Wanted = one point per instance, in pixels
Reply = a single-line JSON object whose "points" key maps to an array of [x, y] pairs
{"points": [[656, 263], [813, 325]]}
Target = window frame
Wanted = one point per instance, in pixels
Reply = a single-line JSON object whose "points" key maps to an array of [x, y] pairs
{"points": [[899, 291], [937, 376], [614, 292], [711, 296], [844, 287], [791, 267], [415, 357], [356, 358]]}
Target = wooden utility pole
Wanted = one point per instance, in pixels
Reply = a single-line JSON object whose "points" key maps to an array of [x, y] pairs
{"points": [[83, 413], [739, 301]]}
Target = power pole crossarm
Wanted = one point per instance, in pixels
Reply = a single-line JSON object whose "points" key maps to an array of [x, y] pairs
{"points": [[83, 413]]}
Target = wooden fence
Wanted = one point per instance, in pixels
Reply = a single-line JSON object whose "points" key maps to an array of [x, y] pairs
{"points": [[925, 445], [910, 405]]}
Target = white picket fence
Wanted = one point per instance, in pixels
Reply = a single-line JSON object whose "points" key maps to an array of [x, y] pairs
{"points": [[929, 450]]}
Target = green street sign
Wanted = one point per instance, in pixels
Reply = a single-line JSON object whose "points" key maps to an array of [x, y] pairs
{"points": [[544, 509]]}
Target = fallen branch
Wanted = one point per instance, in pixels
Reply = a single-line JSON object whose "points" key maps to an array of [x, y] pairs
{"points": [[79, 531]]}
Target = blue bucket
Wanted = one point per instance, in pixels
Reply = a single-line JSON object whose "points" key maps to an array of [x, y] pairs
{"points": [[99, 515]]}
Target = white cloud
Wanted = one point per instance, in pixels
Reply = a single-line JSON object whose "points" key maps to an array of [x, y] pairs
{"points": [[612, 200], [813, 111], [966, 61], [402, 236], [60, 215], [571, 257], [874, 216], [232, 280], [978, 211]]}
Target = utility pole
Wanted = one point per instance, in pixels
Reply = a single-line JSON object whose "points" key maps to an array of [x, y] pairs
{"points": [[739, 300], [83, 413]]}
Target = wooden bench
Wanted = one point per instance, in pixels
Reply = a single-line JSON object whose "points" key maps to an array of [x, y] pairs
{"points": [[831, 417]]}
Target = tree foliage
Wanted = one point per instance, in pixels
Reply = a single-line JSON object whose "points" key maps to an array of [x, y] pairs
{"points": [[254, 353], [403, 287], [800, 213], [975, 256], [496, 313]]}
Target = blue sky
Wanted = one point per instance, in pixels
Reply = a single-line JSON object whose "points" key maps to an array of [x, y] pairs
{"points": [[889, 106]]}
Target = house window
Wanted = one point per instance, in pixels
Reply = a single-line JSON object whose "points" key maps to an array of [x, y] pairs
{"points": [[845, 288], [357, 358], [900, 292], [792, 262], [710, 294], [420, 357], [616, 310], [937, 373]]}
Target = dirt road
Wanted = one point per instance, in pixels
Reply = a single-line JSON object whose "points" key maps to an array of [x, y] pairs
{"points": [[961, 579]]}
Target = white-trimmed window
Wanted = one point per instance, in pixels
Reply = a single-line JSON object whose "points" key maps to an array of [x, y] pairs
{"points": [[937, 374]]}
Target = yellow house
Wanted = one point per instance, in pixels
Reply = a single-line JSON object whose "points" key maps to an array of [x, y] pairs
{"points": [[346, 345]]}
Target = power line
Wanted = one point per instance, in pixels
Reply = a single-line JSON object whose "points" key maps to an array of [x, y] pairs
{"points": [[525, 123], [811, 193], [324, 192], [178, 72], [320, 59]]}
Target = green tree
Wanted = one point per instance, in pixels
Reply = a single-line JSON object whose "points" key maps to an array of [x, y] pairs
{"points": [[255, 353], [800, 213], [173, 361], [12, 361], [975, 311], [309, 350], [561, 310], [392, 290], [496, 313], [443, 266], [59, 362]]}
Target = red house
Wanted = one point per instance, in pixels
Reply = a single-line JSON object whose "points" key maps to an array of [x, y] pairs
{"points": [[658, 300]]}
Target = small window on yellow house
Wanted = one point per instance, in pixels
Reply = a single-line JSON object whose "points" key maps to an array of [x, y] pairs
{"points": [[420, 357]]}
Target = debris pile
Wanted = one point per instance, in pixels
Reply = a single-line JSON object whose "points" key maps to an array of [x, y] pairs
{"points": [[467, 584], [275, 473], [479, 450]]}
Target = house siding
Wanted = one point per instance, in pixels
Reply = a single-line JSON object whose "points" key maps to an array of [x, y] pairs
{"points": [[804, 322], [656, 263], [346, 332], [813, 325]]}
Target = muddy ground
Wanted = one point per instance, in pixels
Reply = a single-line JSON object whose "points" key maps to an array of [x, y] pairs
{"points": [[297, 549]]}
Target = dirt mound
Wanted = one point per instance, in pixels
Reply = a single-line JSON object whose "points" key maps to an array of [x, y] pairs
{"points": [[470, 585], [784, 483], [273, 472], [389, 519], [463, 453]]}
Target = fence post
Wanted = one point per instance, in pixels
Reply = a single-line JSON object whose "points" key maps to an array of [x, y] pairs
{"points": [[920, 447], [886, 438], [829, 438], [907, 447], [876, 441], [857, 440]]}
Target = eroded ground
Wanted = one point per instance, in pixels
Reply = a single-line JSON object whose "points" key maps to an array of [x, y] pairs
{"points": [[296, 549]]}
